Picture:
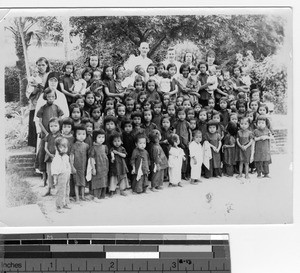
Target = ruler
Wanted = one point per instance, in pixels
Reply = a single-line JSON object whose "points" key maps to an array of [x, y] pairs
{"points": [[103, 252]]}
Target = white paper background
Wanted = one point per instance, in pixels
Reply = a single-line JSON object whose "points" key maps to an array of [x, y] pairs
{"points": [[254, 248]]}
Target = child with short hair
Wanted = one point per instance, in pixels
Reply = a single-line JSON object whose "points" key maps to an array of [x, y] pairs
{"points": [[140, 163], [138, 87], [100, 165], [214, 140], [121, 111], [76, 113], [176, 157], [151, 89], [262, 155], [78, 160], [97, 86], [96, 116], [137, 123], [244, 142], [142, 96], [87, 75], [196, 155], [202, 123], [193, 125], [89, 126], [130, 105], [224, 113], [182, 129], [110, 125], [54, 133], [171, 111], [165, 103], [158, 161], [66, 81], [118, 168], [166, 131], [148, 125], [157, 116], [61, 170], [88, 102], [79, 84], [128, 143]]}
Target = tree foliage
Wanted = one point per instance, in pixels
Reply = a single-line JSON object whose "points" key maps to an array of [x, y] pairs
{"points": [[119, 37]]}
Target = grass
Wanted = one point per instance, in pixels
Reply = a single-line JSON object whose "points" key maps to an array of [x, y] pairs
{"points": [[18, 190]]}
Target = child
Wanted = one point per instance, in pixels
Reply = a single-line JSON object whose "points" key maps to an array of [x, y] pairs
{"points": [[214, 139], [262, 155], [228, 148], [45, 113], [67, 125], [179, 101], [129, 104], [89, 102], [152, 73], [157, 114], [193, 124], [148, 125], [217, 118], [250, 116], [54, 129], [226, 85], [140, 163], [255, 94], [196, 155], [137, 122], [142, 96], [176, 156], [263, 110], [97, 86], [128, 143], [166, 131], [110, 125], [233, 117], [75, 113], [121, 110], [197, 108], [96, 116], [110, 84], [147, 105], [212, 81], [100, 165], [166, 101], [89, 126], [224, 112], [182, 129], [33, 81], [139, 86], [151, 89], [66, 82], [78, 160], [190, 113], [79, 86], [159, 161], [87, 74], [80, 102], [186, 103], [61, 170], [253, 105], [244, 141], [211, 104], [172, 113], [202, 123]]}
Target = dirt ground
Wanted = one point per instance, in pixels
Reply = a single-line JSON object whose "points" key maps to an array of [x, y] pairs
{"points": [[214, 201]]}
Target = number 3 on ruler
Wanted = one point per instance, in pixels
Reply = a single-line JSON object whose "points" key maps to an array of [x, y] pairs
{"points": [[174, 264]]}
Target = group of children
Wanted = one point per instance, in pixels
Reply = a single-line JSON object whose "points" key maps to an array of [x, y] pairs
{"points": [[137, 131]]}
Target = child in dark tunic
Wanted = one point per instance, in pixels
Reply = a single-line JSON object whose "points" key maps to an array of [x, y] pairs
{"points": [[244, 142], [100, 165], [140, 163], [118, 169], [182, 129], [228, 149], [159, 162], [128, 143], [262, 155], [214, 139], [78, 160]]}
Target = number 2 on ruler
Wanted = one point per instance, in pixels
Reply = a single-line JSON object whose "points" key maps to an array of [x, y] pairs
{"points": [[112, 265]]}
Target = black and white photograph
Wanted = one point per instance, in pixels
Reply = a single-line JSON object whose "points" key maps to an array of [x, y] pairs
{"points": [[147, 116]]}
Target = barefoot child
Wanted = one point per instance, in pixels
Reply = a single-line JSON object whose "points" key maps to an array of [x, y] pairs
{"points": [[118, 168], [262, 155], [176, 156], [244, 141], [140, 163], [78, 160], [61, 170], [159, 161], [196, 155], [100, 165]]}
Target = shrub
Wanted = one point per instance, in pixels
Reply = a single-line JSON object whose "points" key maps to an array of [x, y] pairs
{"points": [[12, 85], [16, 125]]}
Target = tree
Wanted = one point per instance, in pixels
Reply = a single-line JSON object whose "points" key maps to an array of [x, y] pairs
{"points": [[118, 37], [25, 30]]}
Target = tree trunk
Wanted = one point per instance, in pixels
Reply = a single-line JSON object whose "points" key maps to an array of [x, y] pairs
{"points": [[66, 31], [22, 70]]}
